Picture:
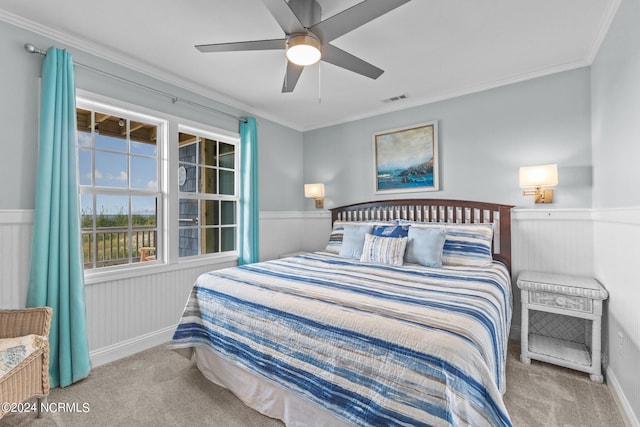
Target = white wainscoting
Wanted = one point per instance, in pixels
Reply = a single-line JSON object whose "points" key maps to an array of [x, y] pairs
{"points": [[552, 240], [283, 232], [128, 315], [15, 252], [617, 254]]}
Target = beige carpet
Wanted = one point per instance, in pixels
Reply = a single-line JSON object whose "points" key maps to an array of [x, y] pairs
{"points": [[158, 387]]}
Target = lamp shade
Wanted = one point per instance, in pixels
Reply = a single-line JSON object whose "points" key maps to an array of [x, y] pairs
{"points": [[539, 176], [303, 49], [314, 190]]}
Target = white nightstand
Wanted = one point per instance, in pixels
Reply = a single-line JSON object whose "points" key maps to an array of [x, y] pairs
{"points": [[561, 320]]}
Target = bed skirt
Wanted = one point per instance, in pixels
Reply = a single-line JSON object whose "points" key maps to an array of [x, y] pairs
{"points": [[261, 395]]}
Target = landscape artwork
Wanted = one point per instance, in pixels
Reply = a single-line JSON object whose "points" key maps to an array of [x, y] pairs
{"points": [[407, 159]]}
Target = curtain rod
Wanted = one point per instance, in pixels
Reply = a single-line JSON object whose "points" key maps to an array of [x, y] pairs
{"points": [[33, 49]]}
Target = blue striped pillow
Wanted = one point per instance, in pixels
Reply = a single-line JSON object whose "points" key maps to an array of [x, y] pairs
{"points": [[383, 250], [391, 230], [468, 245]]}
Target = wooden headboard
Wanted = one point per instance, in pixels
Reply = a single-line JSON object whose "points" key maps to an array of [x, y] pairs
{"points": [[437, 210]]}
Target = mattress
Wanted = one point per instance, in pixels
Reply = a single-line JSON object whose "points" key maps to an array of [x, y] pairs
{"points": [[368, 344]]}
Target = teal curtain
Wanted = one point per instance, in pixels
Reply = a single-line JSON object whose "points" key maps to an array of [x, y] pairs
{"points": [[56, 277], [248, 231]]}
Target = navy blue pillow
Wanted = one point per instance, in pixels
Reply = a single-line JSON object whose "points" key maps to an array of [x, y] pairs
{"points": [[391, 230]]}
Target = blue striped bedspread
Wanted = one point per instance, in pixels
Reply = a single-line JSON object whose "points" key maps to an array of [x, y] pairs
{"points": [[376, 345]]}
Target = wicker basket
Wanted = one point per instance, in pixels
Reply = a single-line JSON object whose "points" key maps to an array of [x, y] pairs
{"points": [[31, 377]]}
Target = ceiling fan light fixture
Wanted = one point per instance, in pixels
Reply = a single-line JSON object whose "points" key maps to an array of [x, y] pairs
{"points": [[303, 49]]}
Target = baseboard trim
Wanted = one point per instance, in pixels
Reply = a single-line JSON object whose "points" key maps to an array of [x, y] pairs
{"points": [[621, 400], [131, 346]]}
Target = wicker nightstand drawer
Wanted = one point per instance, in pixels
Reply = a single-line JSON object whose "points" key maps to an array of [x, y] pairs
{"points": [[562, 301]]}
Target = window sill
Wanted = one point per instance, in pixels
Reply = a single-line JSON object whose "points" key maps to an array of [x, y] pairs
{"points": [[215, 262]]}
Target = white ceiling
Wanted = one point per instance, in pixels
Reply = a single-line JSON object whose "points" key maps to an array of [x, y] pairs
{"points": [[430, 49]]}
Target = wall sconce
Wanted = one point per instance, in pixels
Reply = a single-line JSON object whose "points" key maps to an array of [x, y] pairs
{"points": [[315, 192], [534, 178]]}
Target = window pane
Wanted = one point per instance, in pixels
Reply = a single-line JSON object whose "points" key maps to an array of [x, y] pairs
{"points": [[113, 211], [228, 213], [144, 173], [209, 153], [143, 138], [189, 242], [84, 139], [188, 212], [187, 150], [227, 184], [86, 211], [187, 178], [210, 212], [227, 156], [84, 166], [211, 241], [209, 184], [83, 122], [144, 231], [110, 143], [145, 149], [143, 211], [111, 132], [228, 239], [111, 170]]}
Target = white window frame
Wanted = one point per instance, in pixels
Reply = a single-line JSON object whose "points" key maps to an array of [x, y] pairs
{"points": [[131, 113], [167, 181], [224, 137]]}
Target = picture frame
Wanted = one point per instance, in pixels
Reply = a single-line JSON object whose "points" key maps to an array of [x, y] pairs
{"points": [[406, 159]]}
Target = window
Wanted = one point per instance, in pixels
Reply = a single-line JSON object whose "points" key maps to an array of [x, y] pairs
{"points": [[120, 194], [207, 185]]}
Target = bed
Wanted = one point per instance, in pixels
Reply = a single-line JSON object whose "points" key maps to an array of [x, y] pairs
{"points": [[411, 330]]}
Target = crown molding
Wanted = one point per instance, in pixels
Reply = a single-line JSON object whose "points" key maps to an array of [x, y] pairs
{"points": [[133, 64], [605, 24]]}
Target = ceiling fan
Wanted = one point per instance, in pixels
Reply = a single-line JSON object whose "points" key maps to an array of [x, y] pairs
{"points": [[307, 37]]}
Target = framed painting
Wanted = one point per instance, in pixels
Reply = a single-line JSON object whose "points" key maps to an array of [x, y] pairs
{"points": [[406, 159]]}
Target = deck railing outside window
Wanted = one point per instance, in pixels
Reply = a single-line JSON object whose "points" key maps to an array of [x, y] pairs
{"points": [[115, 247]]}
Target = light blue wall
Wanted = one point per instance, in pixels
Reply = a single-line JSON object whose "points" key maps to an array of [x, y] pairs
{"points": [[616, 112], [615, 95], [280, 151], [484, 139]]}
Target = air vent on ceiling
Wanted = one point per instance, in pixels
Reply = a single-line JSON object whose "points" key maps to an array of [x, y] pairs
{"points": [[396, 98]]}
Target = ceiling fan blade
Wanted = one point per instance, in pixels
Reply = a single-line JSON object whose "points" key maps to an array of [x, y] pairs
{"points": [[242, 46], [291, 77], [339, 57], [287, 20], [352, 18]]}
